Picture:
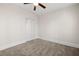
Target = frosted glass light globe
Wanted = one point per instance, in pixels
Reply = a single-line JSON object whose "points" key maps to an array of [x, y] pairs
{"points": [[35, 4]]}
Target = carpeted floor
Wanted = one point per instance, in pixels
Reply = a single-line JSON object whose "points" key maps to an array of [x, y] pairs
{"points": [[39, 47]]}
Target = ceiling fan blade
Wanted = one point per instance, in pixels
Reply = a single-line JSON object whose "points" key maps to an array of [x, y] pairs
{"points": [[27, 3], [34, 8], [42, 5]]}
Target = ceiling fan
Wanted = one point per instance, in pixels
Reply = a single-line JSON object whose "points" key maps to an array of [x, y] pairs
{"points": [[37, 4]]}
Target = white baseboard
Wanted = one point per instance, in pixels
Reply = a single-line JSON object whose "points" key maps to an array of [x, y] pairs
{"points": [[11, 44], [2, 47], [76, 45]]}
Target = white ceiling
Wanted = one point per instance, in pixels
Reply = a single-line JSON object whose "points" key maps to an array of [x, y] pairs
{"points": [[50, 7]]}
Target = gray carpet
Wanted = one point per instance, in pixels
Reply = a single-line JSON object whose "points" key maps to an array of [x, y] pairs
{"points": [[39, 47]]}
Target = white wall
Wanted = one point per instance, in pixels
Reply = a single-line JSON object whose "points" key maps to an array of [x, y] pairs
{"points": [[61, 26], [16, 26]]}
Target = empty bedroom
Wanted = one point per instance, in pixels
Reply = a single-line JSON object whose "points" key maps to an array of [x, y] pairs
{"points": [[39, 29]]}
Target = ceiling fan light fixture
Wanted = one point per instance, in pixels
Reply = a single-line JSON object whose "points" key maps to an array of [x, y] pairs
{"points": [[35, 4]]}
